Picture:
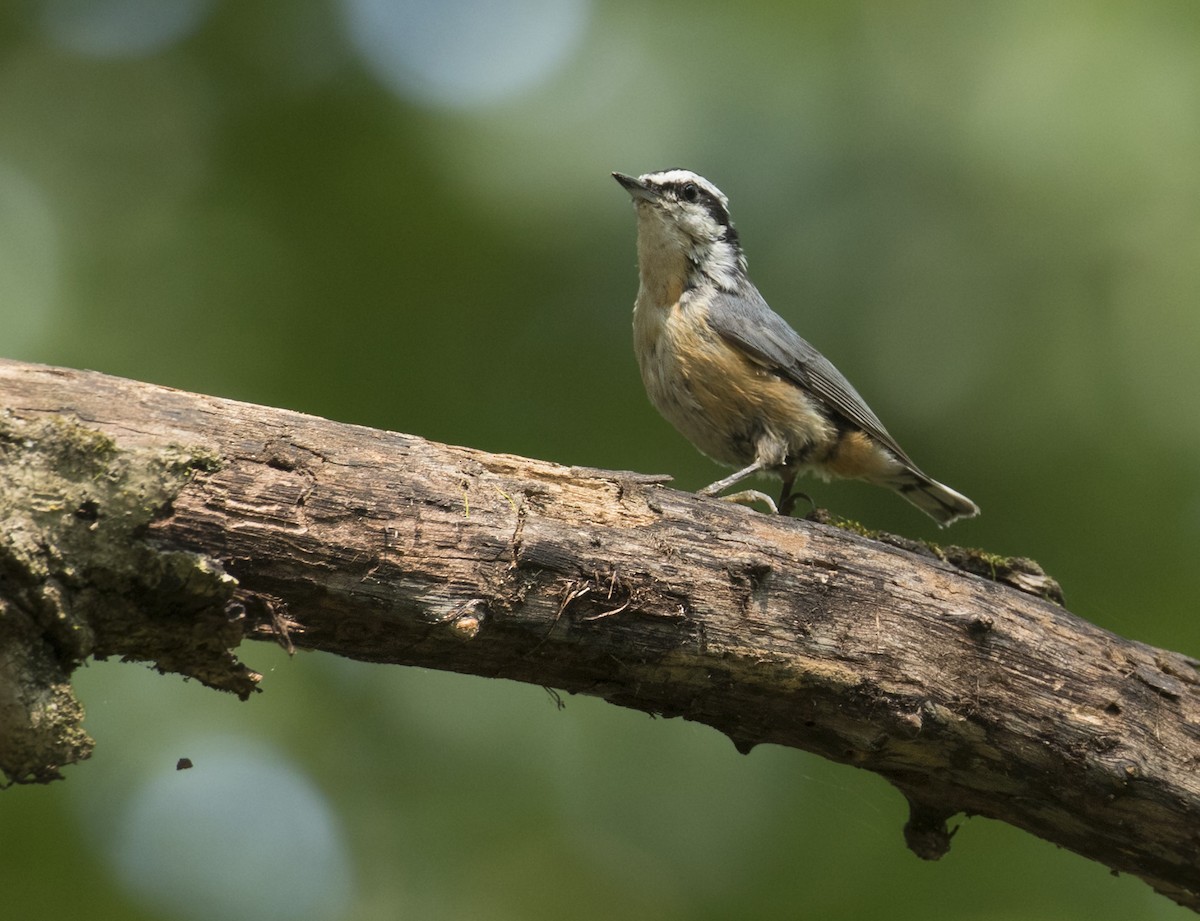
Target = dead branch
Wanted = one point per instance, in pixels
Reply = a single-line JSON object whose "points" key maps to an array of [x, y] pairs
{"points": [[164, 526]]}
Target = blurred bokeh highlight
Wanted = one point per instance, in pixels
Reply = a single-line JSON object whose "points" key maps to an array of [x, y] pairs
{"points": [[399, 213]]}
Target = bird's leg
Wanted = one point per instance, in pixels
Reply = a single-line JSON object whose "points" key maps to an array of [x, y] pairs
{"points": [[713, 488], [787, 498], [787, 503], [746, 496]]}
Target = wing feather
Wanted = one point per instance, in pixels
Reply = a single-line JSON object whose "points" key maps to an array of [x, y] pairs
{"points": [[746, 321]]}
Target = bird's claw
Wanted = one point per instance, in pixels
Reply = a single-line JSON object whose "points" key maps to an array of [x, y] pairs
{"points": [[748, 496]]}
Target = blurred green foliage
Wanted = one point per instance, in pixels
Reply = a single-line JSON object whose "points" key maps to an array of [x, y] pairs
{"points": [[987, 215]]}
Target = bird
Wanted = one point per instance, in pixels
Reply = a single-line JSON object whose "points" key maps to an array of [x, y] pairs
{"points": [[733, 377]]}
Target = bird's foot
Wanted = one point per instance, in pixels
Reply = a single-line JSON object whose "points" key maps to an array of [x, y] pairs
{"points": [[747, 497], [787, 502]]}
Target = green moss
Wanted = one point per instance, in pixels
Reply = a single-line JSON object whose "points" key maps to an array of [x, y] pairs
{"points": [[1015, 571], [80, 576]]}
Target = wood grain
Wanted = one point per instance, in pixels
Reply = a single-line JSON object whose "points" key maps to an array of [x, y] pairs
{"points": [[968, 695]]}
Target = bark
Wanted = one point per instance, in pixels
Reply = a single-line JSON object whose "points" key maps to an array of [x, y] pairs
{"points": [[164, 526]]}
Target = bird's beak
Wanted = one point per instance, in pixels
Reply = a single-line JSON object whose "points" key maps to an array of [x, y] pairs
{"points": [[637, 189]]}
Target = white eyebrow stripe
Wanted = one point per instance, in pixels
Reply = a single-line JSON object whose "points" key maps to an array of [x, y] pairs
{"points": [[676, 177]]}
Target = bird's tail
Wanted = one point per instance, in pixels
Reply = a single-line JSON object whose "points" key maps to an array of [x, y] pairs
{"points": [[939, 502]]}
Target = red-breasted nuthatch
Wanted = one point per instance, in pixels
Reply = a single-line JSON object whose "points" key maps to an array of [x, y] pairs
{"points": [[729, 372]]}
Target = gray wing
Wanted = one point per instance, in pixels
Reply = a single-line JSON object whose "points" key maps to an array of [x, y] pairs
{"points": [[747, 322]]}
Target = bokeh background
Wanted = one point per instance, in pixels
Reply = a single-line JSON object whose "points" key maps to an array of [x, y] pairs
{"points": [[399, 213]]}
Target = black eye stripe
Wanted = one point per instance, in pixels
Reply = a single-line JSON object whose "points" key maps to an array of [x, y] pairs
{"points": [[690, 191], [715, 208], [679, 189]]}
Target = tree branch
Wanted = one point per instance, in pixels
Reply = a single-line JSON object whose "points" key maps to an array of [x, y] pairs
{"points": [[157, 525]]}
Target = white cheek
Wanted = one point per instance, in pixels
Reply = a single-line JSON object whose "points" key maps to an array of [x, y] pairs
{"points": [[697, 227]]}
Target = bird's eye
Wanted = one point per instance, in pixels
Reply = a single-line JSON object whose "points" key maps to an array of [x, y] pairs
{"points": [[690, 191]]}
